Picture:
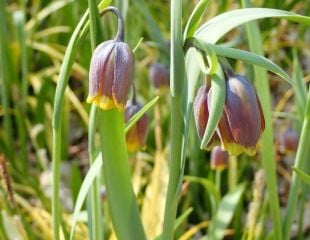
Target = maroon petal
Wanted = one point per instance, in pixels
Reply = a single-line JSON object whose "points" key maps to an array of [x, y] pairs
{"points": [[123, 73], [99, 74], [159, 75], [243, 111]]}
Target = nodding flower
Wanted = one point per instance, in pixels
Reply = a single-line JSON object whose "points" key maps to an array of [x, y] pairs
{"points": [[289, 141], [242, 121], [159, 76], [136, 136], [219, 159], [111, 71]]}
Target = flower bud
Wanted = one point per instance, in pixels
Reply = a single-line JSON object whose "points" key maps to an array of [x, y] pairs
{"points": [[159, 76], [136, 136], [289, 141], [243, 121], [219, 158], [201, 114], [110, 74]]}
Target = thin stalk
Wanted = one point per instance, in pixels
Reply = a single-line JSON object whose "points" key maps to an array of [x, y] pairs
{"points": [[121, 198], [267, 152], [218, 175], [177, 77], [95, 199], [302, 156], [56, 179], [232, 172]]}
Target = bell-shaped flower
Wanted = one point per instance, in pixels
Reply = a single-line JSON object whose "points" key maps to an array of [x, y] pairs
{"points": [[110, 74], [136, 136], [159, 76], [289, 141], [242, 121], [219, 158]]}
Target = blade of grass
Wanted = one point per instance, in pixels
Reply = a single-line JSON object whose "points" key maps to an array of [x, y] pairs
{"points": [[195, 18], [267, 151], [225, 213], [88, 181], [140, 113]]}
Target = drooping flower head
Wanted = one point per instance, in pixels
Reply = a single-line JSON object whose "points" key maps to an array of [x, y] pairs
{"points": [[159, 76], [111, 71], [242, 121], [289, 141], [136, 136], [219, 158]]}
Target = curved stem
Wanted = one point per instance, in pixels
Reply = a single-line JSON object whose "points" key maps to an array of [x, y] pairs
{"points": [[120, 31]]}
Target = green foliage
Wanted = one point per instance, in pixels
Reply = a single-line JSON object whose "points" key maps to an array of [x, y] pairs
{"points": [[57, 152]]}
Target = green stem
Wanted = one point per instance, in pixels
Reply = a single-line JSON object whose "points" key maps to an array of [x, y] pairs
{"points": [[56, 179], [302, 156], [121, 198], [177, 77], [95, 200], [232, 172], [267, 152], [218, 174]]}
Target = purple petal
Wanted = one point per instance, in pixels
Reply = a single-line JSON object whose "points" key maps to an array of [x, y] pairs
{"points": [[123, 72]]}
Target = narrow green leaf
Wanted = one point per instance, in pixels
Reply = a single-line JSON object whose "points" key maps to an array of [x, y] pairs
{"points": [[302, 175], [195, 18], [251, 58], [225, 213], [300, 89], [218, 92], [139, 114], [218, 26], [91, 175]]}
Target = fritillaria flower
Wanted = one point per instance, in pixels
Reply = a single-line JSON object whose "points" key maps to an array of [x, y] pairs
{"points": [[219, 158], [159, 76], [242, 121], [111, 71], [136, 136], [289, 141]]}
